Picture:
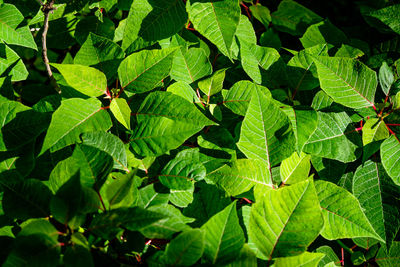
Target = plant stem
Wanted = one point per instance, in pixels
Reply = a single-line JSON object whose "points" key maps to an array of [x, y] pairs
{"points": [[345, 247]]}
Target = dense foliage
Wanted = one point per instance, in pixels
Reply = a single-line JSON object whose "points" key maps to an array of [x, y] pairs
{"points": [[188, 132]]}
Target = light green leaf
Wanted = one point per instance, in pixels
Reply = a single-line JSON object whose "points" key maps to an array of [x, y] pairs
{"points": [[349, 51], [122, 112], [386, 77], [342, 213], [349, 82], [109, 143], [261, 13], [184, 90], [332, 139], [293, 18], [216, 20], [330, 256], [191, 65], [148, 196], [389, 15], [100, 52], [323, 32], [378, 196], [263, 124], [305, 259], [10, 19], [152, 20], [389, 259], [74, 117], [373, 130], [87, 80], [285, 221], [120, 190], [390, 155], [161, 128], [11, 64], [242, 176], [295, 168], [143, 71], [185, 249], [224, 237], [212, 85]]}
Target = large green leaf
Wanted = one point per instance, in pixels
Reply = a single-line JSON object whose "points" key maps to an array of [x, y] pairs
{"points": [[121, 111], [87, 80], [378, 196], [185, 249], [74, 117], [323, 32], [224, 237], [293, 18], [161, 128], [109, 143], [348, 81], [101, 53], [389, 15], [216, 20], [266, 132], [120, 190], [295, 168], [142, 71], [285, 221], [389, 258], [390, 155], [190, 65], [343, 215], [10, 19], [374, 130], [333, 138], [242, 176], [152, 20]]}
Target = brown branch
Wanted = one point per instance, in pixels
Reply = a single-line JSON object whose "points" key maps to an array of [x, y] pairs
{"points": [[46, 9]]}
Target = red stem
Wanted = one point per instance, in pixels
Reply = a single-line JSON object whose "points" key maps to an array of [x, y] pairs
{"points": [[246, 9], [393, 124]]}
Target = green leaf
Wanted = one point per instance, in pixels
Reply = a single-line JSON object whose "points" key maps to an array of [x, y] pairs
{"points": [[92, 24], [390, 155], [330, 256], [107, 225], [184, 90], [323, 32], [150, 196], [216, 20], [11, 64], [285, 221], [212, 85], [122, 112], [349, 82], [185, 249], [224, 237], [10, 19], [390, 258], [152, 20], [261, 13], [389, 15], [386, 78], [120, 190], [77, 255], [305, 259], [87, 80], [160, 128], [242, 176], [374, 130], [109, 143], [237, 98], [295, 168], [378, 196], [143, 71], [74, 117], [266, 132], [332, 139], [108, 55], [190, 65], [342, 213], [293, 18]]}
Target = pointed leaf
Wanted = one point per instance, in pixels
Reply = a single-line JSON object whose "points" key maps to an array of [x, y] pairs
{"points": [[342, 213], [389, 15], [390, 155], [215, 20], [323, 32], [285, 221], [266, 132], [378, 196], [74, 117], [121, 111], [87, 80], [185, 249], [143, 71], [386, 78], [184, 90], [212, 85], [11, 64], [389, 259], [295, 168], [306, 259], [162, 128], [223, 236], [349, 82]]}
